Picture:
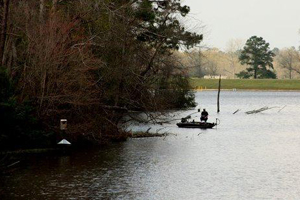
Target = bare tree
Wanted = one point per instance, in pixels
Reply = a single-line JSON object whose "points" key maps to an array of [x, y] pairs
{"points": [[4, 22], [95, 62], [289, 59], [233, 49], [42, 8], [195, 63]]}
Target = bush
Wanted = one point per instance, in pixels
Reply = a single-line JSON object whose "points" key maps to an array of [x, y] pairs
{"points": [[176, 92], [18, 126]]}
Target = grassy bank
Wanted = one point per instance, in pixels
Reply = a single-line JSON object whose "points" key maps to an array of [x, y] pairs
{"points": [[246, 84]]}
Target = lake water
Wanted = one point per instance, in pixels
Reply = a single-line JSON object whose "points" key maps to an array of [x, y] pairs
{"points": [[246, 157]]}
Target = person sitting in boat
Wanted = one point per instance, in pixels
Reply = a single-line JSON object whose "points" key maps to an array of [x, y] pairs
{"points": [[204, 116]]}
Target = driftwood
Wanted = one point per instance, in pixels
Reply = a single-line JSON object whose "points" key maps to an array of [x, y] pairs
{"points": [[236, 111], [160, 129], [7, 163], [281, 108], [148, 130], [147, 135], [259, 110], [13, 164]]}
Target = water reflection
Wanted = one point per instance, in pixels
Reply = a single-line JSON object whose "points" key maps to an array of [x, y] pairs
{"points": [[246, 157]]}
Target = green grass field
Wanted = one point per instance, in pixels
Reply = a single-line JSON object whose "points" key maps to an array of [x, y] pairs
{"points": [[246, 84]]}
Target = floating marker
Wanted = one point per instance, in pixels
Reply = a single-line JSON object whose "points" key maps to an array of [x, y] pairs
{"points": [[65, 142]]}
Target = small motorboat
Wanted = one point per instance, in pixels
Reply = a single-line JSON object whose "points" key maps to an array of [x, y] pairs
{"points": [[203, 125]]}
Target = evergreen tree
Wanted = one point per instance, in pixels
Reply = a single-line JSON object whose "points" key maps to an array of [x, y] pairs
{"points": [[259, 57]]}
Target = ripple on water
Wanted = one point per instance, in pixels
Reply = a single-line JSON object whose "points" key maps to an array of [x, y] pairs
{"points": [[246, 157]]}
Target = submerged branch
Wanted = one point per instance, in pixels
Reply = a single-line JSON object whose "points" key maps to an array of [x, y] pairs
{"points": [[259, 110], [281, 108], [236, 111]]}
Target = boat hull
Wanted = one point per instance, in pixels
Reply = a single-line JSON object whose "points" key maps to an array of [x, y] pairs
{"points": [[201, 125]]}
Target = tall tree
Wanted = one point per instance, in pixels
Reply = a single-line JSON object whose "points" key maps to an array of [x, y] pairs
{"points": [[259, 57], [233, 51], [289, 59], [195, 63], [4, 27], [95, 61], [160, 27]]}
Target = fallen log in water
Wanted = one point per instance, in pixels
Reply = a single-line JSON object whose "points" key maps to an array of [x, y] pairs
{"points": [[236, 111], [146, 135], [259, 110]]}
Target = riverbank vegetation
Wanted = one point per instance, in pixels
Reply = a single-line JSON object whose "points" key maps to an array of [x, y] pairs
{"points": [[246, 84], [214, 62], [91, 62]]}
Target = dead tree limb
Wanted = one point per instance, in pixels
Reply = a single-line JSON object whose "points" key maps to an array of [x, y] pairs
{"points": [[281, 108], [236, 111], [148, 130], [259, 110]]}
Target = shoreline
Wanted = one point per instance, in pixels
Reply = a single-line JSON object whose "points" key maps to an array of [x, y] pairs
{"points": [[247, 90], [246, 84], [147, 135], [134, 135]]}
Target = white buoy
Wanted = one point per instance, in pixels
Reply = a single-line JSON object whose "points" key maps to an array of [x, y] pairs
{"points": [[64, 141]]}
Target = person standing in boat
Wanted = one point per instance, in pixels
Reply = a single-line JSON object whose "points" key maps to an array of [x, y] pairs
{"points": [[204, 115]]}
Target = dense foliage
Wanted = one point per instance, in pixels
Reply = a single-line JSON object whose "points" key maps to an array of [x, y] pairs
{"points": [[19, 126], [93, 61], [258, 56]]}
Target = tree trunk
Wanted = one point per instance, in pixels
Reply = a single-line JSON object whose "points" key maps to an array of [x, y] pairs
{"points": [[4, 28], [54, 2], [1, 8], [42, 6]]}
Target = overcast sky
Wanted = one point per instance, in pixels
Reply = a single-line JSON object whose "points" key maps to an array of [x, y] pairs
{"points": [[277, 21]]}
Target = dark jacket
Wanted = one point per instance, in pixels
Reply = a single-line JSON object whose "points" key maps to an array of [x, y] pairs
{"points": [[204, 114]]}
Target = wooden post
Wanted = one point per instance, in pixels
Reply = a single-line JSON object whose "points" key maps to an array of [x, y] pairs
{"points": [[218, 101]]}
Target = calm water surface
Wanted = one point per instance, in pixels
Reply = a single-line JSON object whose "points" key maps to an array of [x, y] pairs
{"points": [[245, 157]]}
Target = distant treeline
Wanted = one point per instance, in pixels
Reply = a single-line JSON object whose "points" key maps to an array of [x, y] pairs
{"points": [[246, 84], [90, 61], [213, 61]]}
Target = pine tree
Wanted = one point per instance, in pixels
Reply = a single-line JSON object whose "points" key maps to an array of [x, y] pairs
{"points": [[259, 57]]}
